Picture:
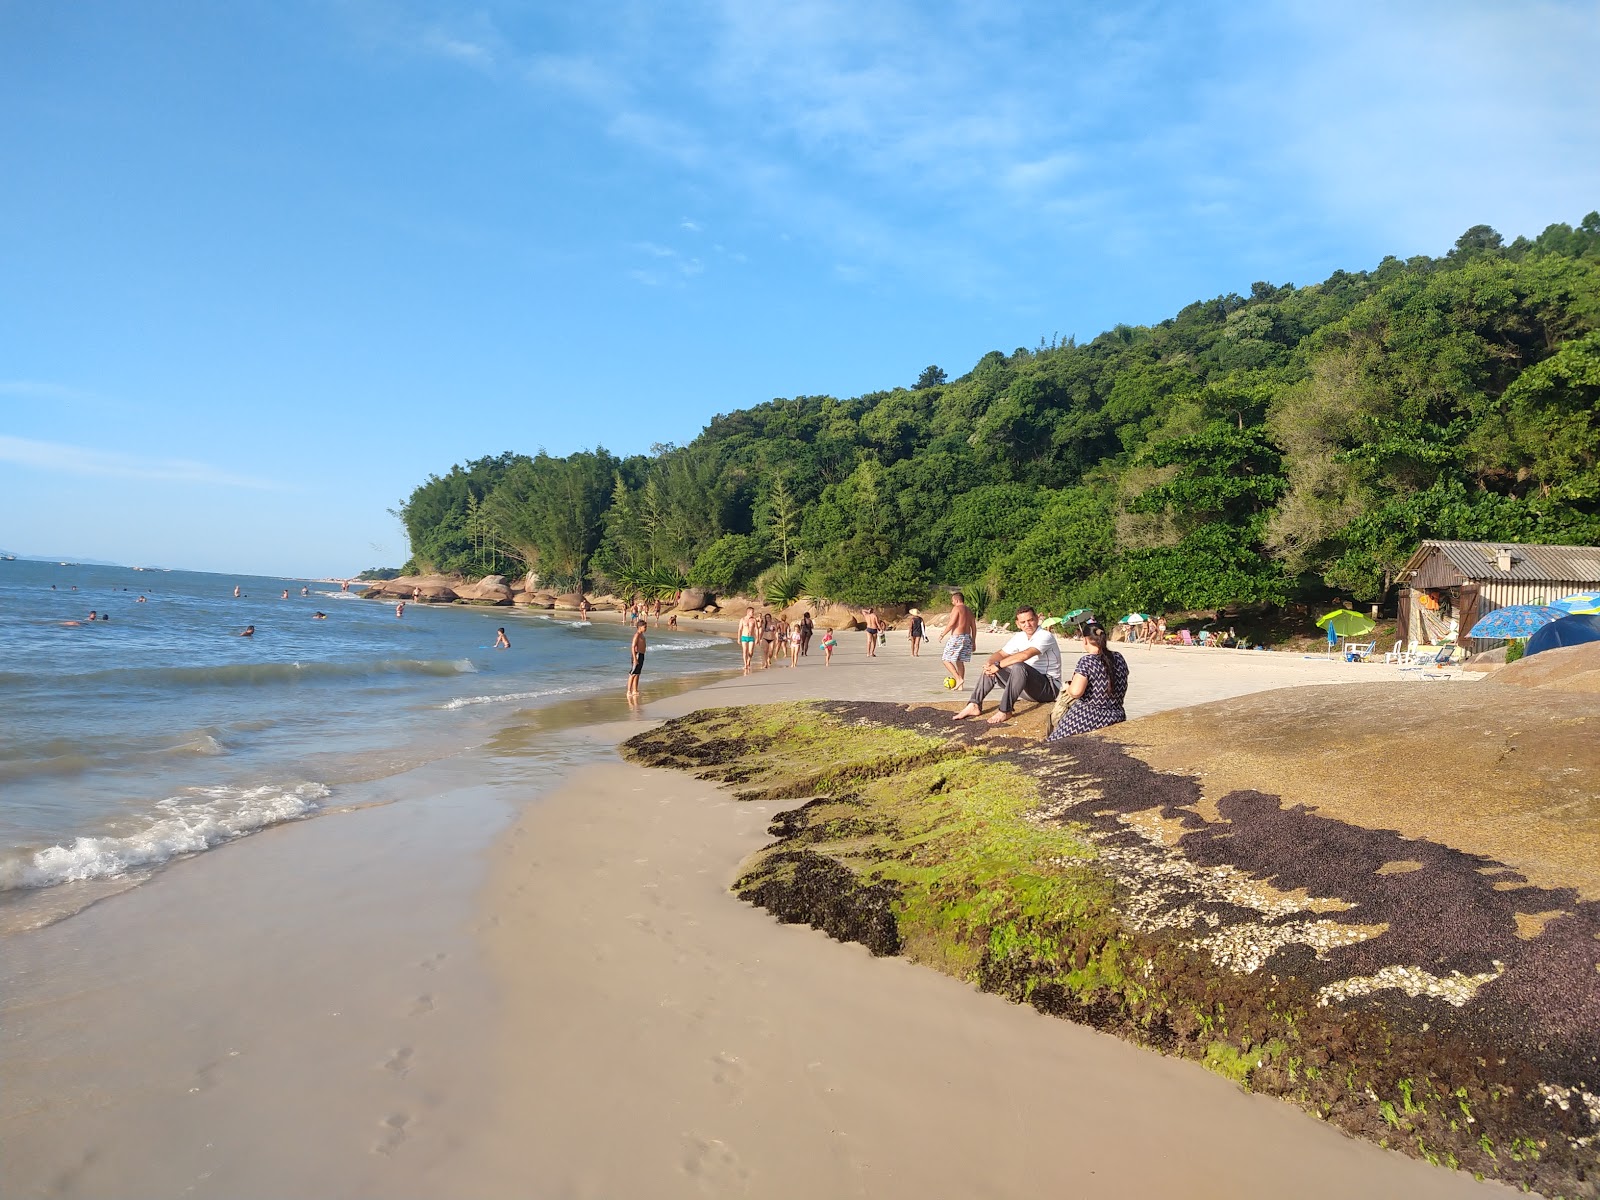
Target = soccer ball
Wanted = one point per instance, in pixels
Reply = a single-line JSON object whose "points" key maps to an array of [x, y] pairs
{"points": [[950, 683]]}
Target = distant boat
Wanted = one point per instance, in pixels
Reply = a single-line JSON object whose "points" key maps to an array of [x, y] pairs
{"points": [[8, 558]]}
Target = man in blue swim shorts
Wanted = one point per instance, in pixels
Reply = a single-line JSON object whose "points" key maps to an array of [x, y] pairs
{"points": [[749, 626], [959, 633]]}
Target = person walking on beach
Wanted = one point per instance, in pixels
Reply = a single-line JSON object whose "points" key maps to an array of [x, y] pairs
{"points": [[769, 639], [807, 628], [748, 628], [794, 644], [827, 647], [916, 634], [1029, 664], [959, 632], [501, 641], [638, 659], [874, 629], [1098, 685]]}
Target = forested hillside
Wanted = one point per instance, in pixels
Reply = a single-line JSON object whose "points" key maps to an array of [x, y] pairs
{"points": [[1295, 441]]}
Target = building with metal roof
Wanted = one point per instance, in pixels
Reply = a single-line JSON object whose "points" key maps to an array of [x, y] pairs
{"points": [[1446, 587]]}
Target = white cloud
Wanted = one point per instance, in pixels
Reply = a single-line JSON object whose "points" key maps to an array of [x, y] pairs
{"points": [[60, 458], [927, 139], [460, 49], [36, 389]]}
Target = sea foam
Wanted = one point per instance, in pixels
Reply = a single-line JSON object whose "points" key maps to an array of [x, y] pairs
{"points": [[182, 825]]}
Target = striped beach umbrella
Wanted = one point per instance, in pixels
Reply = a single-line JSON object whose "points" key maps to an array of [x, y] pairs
{"points": [[1578, 604]]}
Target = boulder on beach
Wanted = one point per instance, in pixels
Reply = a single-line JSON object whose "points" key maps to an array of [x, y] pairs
{"points": [[407, 587], [1568, 669], [569, 600], [491, 589], [693, 599], [838, 616]]}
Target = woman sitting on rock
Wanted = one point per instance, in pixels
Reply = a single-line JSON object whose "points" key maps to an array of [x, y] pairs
{"points": [[1099, 683]]}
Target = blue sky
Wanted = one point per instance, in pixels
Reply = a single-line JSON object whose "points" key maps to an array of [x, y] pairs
{"points": [[266, 264]]}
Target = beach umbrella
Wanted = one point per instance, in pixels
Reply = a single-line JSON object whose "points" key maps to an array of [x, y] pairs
{"points": [[1564, 631], [1346, 622], [1515, 621], [1049, 621], [1579, 603], [1134, 618], [1076, 616]]}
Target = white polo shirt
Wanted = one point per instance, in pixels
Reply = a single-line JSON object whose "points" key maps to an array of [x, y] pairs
{"points": [[1048, 660]]}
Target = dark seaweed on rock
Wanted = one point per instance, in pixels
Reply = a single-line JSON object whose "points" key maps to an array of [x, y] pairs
{"points": [[1422, 1020]]}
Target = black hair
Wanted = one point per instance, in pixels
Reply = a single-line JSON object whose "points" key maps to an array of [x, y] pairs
{"points": [[1096, 633]]}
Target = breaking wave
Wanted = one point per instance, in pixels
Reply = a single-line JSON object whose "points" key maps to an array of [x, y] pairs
{"points": [[181, 825]]}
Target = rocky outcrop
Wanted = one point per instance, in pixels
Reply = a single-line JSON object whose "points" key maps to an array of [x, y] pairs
{"points": [[491, 589], [434, 588], [568, 600], [1568, 669], [838, 616], [693, 599]]}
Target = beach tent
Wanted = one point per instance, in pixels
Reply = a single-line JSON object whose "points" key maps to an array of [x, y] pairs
{"points": [[1567, 631]]}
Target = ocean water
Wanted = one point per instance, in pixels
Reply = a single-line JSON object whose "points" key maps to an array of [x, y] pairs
{"points": [[161, 733]]}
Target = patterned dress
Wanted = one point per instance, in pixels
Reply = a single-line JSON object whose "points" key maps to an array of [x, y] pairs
{"points": [[1101, 702]]}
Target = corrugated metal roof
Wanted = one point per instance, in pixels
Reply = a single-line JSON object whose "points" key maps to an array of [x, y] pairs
{"points": [[1529, 563]]}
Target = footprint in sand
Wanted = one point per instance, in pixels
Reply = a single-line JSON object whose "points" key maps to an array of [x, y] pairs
{"points": [[399, 1062], [728, 1072], [422, 1006], [206, 1077], [434, 962], [394, 1132], [713, 1164]]}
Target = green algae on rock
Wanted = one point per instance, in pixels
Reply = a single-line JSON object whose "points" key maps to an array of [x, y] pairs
{"points": [[1277, 947]]}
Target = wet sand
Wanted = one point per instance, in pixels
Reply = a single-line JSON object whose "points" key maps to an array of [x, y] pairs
{"points": [[488, 991]]}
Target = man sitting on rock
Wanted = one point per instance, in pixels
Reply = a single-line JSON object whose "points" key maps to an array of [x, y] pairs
{"points": [[1027, 665]]}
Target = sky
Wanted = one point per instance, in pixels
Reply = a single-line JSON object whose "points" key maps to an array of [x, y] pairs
{"points": [[266, 265]]}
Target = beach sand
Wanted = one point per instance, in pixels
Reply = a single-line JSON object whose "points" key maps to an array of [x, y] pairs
{"points": [[490, 989]]}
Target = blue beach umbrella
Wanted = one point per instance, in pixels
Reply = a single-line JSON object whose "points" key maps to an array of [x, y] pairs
{"points": [[1515, 621], [1579, 603], [1568, 631]]}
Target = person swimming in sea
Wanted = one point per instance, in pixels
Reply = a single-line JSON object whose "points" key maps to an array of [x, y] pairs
{"points": [[501, 642], [319, 616], [248, 631]]}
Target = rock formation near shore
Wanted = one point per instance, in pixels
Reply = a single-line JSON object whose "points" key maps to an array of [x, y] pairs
{"points": [[1569, 669], [1381, 902], [491, 589]]}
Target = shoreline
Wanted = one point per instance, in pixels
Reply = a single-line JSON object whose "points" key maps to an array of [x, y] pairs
{"points": [[578, 911]]}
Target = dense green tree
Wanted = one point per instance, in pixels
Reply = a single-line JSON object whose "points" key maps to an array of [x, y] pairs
{"points": [[1247, 449]]}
